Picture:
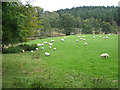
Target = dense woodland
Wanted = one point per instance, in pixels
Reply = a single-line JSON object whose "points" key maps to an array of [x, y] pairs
{"points": [[21, 22]]}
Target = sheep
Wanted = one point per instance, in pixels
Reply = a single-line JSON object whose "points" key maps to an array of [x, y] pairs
{"points": [[45, 42], [47, 54], [62, 40], [54, 49], [93, 36], [100, 36], [64, 37], [105, 55], [105, 37], [50, 44], [32, 51], [42, 48], [39, 44], [49, 47], [77, 40], [52, 40], [109, 34], [23, 50], [81, 38], [42, 44], [36, 48], [86, 43]]}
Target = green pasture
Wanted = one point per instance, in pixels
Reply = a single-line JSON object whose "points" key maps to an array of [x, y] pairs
{"points": [[72, 65]]}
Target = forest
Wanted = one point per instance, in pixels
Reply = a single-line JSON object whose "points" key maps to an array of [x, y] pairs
{"points": [[23, 22]]}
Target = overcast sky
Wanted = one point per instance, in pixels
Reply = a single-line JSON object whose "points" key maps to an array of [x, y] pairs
{"points": [[53, 5]]}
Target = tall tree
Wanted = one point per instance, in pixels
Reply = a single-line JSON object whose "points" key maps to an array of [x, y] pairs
{"points": [[12, 23], [68, 23]]}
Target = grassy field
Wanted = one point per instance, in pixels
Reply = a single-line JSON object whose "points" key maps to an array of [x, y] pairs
{"points": [[72, 65]]}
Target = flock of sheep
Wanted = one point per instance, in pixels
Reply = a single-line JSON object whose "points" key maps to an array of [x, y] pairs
{"points": [[54, 49]]}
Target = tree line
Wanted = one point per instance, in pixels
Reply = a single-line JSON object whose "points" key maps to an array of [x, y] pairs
{"points": [[22, 21]]}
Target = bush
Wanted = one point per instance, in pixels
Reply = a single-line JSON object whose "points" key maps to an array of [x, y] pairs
{"points": [[28, 47], [19, 48], [12, 49]]}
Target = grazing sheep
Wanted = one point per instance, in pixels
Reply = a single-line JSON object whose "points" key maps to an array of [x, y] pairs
{"points": [[23, 50], [52, 40], [105, 37], [77, 40], [50, 47], [45, 42], [54, 49], [39, 44], [50, 44], [105, 55], [109, 34], [36, 48], [86, 43], [81, 38], [42, 44], [100, 36], [42, 48], [47, 54], [93, 36], [32, 51], [62, 40]]}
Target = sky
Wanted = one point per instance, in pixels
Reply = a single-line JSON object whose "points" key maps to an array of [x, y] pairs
{"points": [[54, 5]]}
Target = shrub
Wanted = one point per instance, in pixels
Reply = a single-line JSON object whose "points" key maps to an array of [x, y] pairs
{"points": [[28, 47], [12, 49], [19, 48]]}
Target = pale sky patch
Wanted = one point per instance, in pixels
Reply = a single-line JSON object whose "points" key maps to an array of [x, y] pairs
{"points": [[54, 5]]}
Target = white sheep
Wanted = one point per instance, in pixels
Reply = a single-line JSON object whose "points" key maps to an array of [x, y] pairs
{"points": [[100, 36], [93, 36], [32, 51], [106, 37], [50, 47], [109, 34], [50, 44], [52, 40], [42, 44], [81, 38], [54, 49], [39, 44], [45, 42], [62, 40], [36, 48], [86, 43], [105, 55], [47, 54], [42, 48], [23, 50], [77, 40]]}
